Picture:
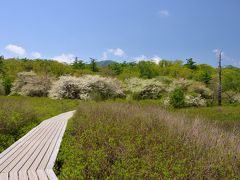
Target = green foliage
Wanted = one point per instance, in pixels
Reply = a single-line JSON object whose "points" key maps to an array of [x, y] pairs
{"points": [[78, 64], [148, 69], [7, 84], [129, 70], [191, 64], [93, 65], [177, 99], [126, 70], [231, 80], [226, 117], [13, 66], [204, 73], [116, 68], [1, 65], [205, 77], [177, 70], [2, 91], [132, 141], [124, 151], [18, 115], [231, 83]]}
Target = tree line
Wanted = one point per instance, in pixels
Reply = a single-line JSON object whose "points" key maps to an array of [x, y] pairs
{"points": [[188, 69]]}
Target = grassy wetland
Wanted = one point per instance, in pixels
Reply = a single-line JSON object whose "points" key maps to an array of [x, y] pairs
{"points": [[132, 140]]}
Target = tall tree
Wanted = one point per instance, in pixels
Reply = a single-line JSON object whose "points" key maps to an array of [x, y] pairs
{"points": [[191, 64], [1, 65], [78, 64], [93, 65]]}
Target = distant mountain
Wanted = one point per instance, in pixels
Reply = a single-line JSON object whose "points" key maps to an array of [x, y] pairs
{"points": [[105, 63]]}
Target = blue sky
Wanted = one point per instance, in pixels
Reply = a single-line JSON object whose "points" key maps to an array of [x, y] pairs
{"points": [[121, 30]]}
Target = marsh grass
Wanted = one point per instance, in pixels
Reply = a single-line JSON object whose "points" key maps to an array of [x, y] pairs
{"points": [[18, 115], [122, 140], [226, 117]]}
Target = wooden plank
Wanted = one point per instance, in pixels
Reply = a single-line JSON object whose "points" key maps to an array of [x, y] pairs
{"points": [[42, 175], [18, 142], [43, 154], [10, 162], [22, 175], [53, 157], [36, 158], [32, 154], [26, 137], [11, 151], [32, 175], [13, 175], [4, 176], [51, 174]]}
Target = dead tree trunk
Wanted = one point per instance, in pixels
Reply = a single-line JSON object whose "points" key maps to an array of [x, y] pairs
{"points": [[220, 79]]}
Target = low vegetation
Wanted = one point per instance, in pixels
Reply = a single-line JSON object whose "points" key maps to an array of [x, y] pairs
{"points": [[122, 140], [18, 115], [226, 117]]}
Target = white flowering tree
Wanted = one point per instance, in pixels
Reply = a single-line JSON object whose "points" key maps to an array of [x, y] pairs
{"points": [[86, 87], [30, 84]]}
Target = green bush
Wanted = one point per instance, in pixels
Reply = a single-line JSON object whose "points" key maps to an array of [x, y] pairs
{"points": [[7, 85], [177, 98], [148, 69], [2, 91]]}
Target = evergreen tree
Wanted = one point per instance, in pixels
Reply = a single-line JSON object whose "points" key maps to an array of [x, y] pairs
{"points": [[205, 77], [191, 64], [1, 65], [78, 64], [93, 65]]}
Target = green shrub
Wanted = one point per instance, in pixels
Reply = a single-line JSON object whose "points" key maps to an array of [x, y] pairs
{"points": [[148, 69], [2, 91], [7, 85], [177, 99]]}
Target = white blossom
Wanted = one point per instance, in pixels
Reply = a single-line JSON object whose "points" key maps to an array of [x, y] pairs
{"points": [[85, 87]]}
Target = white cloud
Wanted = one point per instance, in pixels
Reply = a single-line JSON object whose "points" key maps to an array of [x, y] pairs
{"points": [[36, 55], [140, 58], [115, 52], [20, 51], [164, 13], [154, 59], [67, 58], [104, 55]]}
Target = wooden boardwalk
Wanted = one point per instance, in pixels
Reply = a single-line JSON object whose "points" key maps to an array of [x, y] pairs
{"points": [[33, 156]]}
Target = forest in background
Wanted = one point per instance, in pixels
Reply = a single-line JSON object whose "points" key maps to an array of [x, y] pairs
{"points": [[145, 70]]}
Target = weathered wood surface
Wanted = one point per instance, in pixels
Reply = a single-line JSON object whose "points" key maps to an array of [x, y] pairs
{"points": [[33, 156]]}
